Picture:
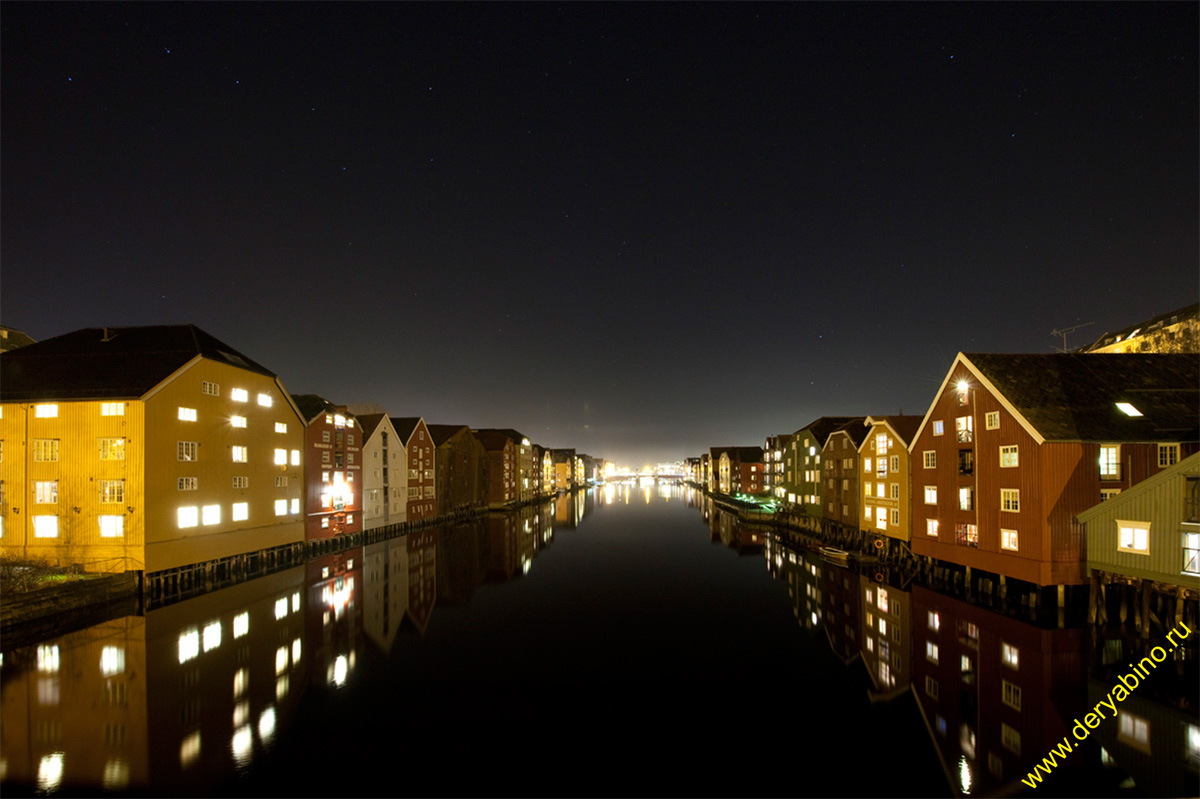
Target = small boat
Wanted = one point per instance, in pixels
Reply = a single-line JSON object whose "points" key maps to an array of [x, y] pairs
{"points": [[834, 555]]}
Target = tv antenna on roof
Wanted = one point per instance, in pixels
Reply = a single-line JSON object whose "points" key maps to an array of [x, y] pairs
{"points": [[1067, 330]]}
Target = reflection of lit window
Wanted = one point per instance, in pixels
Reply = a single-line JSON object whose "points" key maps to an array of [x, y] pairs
{"points": [[116, 775], [281, 660], [47, 659], [935, 620], [50, 772], [241, 678], [212, 636], [241, 624], [1134, 730], [189, 644], [112, 660], [1010, 656], [281, 607], [189, 749], [1011, 694], [931, 651], [1010, 739]]}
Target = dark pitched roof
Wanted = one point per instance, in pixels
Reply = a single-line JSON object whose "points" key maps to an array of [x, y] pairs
{"points": [[368, 422], [105, 362], [494, 439], [405, 426], [1148, 326], [516, 435], [441, 433], [855, 429], [1073, 396], [905, 426], [313, 405], [748, 454], [822, 427]]}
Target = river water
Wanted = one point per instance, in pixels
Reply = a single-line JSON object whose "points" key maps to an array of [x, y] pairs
{"points": [[626, 640]]}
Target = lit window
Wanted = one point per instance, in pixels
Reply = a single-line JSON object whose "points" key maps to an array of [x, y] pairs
{"points": [[240, 454], [238, 421], [1128, 409], [881, 601], [46, 411], [112, 409], [1010, 500], [239, 395], [264, 400], [112, 526], [1191, 553], [964, 427], [1008, 456], [281, 507], [281, 427], [111, 449], [1108, 493], [992, 420], [1010, 656], [111, 490], [46, 492], [281, 457], [1168, 455], [295, 457], [866, 464], [210, 514], [1008, 539], [189, 483], [45, 450], [1110, 462], [45, 526], [938, 428], [295, 505], [187, 414], [1133, 537], [966, 498], [966, 534], [930, 495], [241, 511], [188, 516]]}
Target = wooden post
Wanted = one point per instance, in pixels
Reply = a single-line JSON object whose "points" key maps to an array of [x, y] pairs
{"points": [[1093, 597], [1147, 587]]}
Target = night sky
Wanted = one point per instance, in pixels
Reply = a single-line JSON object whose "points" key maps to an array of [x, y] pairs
{"points": [[635, 229]]}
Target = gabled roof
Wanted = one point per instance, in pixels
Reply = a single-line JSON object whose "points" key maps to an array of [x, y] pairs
{"points": [[405, 426], [855, 430], [904, 427], [516, 435], [495, 439], [11, 338], [748, 454], [313, 405], [441, 433], [822, 427], [1072, 397], [368, 422], [104, 362]]}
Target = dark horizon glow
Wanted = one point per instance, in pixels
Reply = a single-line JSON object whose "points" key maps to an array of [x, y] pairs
{"points": [[638, 230]]}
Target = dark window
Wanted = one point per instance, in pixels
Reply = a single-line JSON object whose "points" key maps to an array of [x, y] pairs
{"points": [[966, 461]]}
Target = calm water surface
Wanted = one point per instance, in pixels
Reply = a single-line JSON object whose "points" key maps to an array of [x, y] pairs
{"points": [[624, 641]]}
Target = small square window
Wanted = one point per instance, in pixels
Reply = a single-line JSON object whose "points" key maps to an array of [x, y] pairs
{"points": [[992, 420]]}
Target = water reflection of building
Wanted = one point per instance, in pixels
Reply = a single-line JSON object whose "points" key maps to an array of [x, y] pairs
{"points": [[190, 694], [1157, 746], [385, 590], [887, 633], [842, 605], [422, 576], [996, 692], [334, 623]]}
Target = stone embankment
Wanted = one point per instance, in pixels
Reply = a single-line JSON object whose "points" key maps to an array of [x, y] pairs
{"points": [[30, 616]]}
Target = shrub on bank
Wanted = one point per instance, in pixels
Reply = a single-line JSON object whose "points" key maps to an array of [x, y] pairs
{"points": [[20, 575]]}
